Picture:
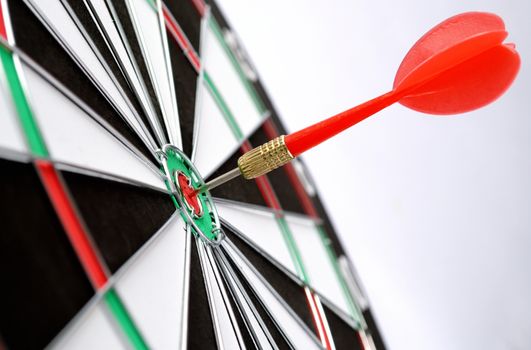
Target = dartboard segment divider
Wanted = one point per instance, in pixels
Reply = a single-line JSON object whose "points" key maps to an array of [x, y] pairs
{"points": [[66, 188], [238, 134], [263, 183], [354, 309], [229, 117], [58, 194]]}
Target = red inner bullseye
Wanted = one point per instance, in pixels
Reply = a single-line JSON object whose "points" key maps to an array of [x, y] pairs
{"points": [[189, 194]]}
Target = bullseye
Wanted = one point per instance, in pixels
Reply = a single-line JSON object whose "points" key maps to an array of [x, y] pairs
{"points": [[189, 195], [196, 208]]}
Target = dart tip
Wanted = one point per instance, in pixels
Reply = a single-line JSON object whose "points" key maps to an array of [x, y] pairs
{"points": [[201, 190]]}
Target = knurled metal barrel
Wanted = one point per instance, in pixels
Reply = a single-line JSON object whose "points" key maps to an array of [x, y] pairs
{"points": [[264, 158]]}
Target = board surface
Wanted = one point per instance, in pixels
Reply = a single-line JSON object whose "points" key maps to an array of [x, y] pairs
{"points": [[96, 251]]}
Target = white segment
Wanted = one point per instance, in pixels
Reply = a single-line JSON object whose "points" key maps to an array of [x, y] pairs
{"points": [[74, 137], [215, 140], [152, 287], [261, 337], [229, 84], [93, 330], [153, 42], [251, 314], [121, 53], [317, 264], [260, 227], [227, 332], [291, 327], [11, 135], [58, 19]]}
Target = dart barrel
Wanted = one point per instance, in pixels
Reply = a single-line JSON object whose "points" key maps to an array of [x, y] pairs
{"points": [[264, 158]]}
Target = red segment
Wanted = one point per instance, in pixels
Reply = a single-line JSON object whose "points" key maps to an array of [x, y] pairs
{"points": [[174, 29], [267, 192], [178, 35], [263, 184], [199, 6], [325, 334], [272, 201], [192, 56], [71, 223], [306, 202], [189, 193], [317, 318], [2, 24]]}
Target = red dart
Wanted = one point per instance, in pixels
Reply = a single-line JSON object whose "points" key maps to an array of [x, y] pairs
{"points": [[460, 65]]}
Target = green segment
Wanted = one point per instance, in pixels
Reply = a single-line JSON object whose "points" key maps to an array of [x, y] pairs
{"points": [[354, 309], [248, 86], [293, 249], [38, 148], [281, 221], [33, 136], [152, 4], [288, 237], [176, 163], [220, 101], [121, 315]]}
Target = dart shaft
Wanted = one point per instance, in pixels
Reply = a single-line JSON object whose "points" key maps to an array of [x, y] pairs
{"points": [[302, 140], [281, 150], [256, 162], [445, 72], [220, 180]]}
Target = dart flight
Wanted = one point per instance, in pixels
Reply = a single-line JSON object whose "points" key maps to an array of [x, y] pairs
{"points": [[458, 66]]}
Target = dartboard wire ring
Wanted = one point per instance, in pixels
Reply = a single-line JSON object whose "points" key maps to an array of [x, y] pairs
{"points": [[217, 231], [207, 9], [23, 57]]}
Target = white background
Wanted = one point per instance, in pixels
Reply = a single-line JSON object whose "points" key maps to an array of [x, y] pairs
{"points": [[434, 211]]}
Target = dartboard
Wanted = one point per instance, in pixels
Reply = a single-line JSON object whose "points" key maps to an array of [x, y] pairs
{"points": [[112, 115]]}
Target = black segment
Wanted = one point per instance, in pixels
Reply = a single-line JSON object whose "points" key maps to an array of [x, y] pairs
{"points": [[373, 329], [238, 314], [43, 283], [271, 326], [345, 337], [260, 90], [279, 179], [216, 13], [123, 18], [292, 293], [200, 327], [318, 205], [80, 12], [287, 196], [327, 224], [119, 217], [185, 80], [188, 18], [34, 40], [238, 189]]}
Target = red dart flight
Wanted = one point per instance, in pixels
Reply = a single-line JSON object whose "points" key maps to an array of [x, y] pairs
{"points": [[460, 65]]}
